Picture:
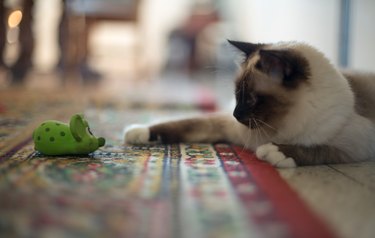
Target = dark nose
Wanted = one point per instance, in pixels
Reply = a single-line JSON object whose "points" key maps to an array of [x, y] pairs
{"points": [[240, 113]]}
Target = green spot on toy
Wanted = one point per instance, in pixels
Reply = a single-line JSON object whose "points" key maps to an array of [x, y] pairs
{"points": [[57, 138]]}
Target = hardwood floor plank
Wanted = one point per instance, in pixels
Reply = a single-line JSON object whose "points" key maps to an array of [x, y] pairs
{"points": [[338, 198], [363, 173]]}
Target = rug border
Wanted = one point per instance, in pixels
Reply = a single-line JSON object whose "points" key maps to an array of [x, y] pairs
{"points": [[288, 204]]}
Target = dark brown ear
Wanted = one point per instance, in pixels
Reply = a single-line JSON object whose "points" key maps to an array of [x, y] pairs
{"points": [[283, 65], [274, 63], [247, 48]]}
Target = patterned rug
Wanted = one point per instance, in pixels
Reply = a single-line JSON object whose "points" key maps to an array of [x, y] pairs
{"points": [[179, 190]]}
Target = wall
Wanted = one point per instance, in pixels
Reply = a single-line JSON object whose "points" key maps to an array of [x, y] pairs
{"points": [[362, 38], [314, 22]]}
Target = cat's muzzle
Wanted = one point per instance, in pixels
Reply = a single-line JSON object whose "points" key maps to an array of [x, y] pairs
{"points": [[244, 118]]}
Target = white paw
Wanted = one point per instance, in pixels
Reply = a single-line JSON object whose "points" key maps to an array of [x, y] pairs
{"points": [[136, 134], [271, 154]]}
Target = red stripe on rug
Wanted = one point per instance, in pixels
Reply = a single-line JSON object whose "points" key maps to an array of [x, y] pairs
{"points": [[303, 222]]}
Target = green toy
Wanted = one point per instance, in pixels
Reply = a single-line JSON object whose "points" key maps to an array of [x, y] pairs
{"points": [[57, 138]]}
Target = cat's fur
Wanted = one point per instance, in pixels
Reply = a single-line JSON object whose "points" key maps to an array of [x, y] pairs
{"points": [[293, 108]]}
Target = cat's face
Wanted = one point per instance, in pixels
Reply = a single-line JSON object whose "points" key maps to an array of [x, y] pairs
{"points": [[268, 84]]}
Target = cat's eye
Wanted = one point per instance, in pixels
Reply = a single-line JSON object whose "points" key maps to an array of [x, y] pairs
{"points": [[258, 65], [251, 99]]}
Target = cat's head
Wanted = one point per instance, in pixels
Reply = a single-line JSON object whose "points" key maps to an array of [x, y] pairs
{"points": [[284, 86]]}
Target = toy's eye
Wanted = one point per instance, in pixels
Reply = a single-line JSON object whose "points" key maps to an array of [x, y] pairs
{"points": [[89, 131]]}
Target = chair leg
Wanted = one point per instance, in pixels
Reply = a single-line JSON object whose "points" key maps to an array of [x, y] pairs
{"points": [[26, 40]]}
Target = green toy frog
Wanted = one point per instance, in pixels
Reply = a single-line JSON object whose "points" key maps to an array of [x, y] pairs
{"points": [[57, 138]]}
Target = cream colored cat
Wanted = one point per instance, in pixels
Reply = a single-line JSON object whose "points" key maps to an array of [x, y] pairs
{"points": [[293, 108]]}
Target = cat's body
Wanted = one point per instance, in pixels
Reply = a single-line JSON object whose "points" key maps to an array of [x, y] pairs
{"points": [[293, 108]]}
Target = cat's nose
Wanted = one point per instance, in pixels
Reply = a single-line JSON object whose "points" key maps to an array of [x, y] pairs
{"points": [[240, 114]]}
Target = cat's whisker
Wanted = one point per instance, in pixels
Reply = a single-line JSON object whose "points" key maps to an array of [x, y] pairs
{"points": [[257, 135], [262, 128], [267, 136], [265, 132], [249, 137], [266, 124], [246, 137], [259, 129], [261, 132]]}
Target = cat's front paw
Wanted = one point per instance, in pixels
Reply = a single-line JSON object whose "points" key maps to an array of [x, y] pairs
{"points": [[271, 154], [137, 134]]}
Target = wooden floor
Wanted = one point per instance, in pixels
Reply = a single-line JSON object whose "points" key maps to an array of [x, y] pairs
{"points": [[343, 195]]}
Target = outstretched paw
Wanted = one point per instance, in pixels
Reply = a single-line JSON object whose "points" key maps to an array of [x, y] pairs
{"points": [[271, 154], [137, 134]]}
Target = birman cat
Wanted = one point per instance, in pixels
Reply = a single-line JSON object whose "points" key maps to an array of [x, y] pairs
{"points": [[293, 107]]}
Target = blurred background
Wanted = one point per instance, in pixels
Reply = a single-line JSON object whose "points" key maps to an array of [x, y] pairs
{"points": [[94, 40], [121, 62]]}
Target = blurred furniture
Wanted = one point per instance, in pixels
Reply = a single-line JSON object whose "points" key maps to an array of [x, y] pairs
{"points": [[23, 62], [98, 10], [192, 34], [80, 16]]}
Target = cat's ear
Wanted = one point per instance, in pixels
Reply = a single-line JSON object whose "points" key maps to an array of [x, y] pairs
{"points": [[274, 63], [286, 67], [245, 47]]}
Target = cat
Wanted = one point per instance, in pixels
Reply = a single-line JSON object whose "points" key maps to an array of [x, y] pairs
{"points": [[293, 108]]}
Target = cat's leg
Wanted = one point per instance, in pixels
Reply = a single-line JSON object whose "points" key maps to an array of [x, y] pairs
{"points": [[286, 156], [207, 129]]}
